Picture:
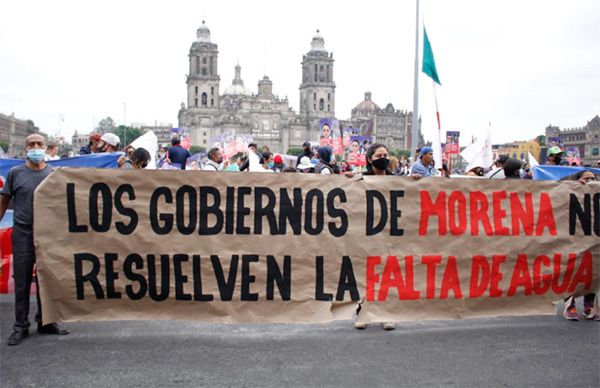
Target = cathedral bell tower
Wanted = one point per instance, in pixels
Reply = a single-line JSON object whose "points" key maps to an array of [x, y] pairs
{"points": [[317, 91], [203, 79]]}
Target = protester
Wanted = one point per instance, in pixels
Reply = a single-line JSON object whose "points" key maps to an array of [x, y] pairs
{"points": [[512, 169], [176, 153], [344, 166], [252, 147], [233, 164], [475, 171], [215, 160], [51, 153], [305, 165], [109, 142], [140, 158], [425, 165], [404, 168], [554, 156], [20, 185], [394, 165], [590, 303], [92, 146], [278, 164], [306, 151], [324, 164], [289, 169], [497, 171]]}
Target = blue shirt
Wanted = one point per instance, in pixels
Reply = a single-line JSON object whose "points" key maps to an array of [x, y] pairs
{"points": [[421, 169], [178, 155]]}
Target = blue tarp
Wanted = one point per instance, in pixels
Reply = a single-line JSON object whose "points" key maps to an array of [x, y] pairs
{"points": [[7, 220], [105, 160], [555, 173]]}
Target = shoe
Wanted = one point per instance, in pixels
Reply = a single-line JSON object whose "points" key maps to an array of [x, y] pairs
{"points": [[588, 312], [570, 313], [389, 325], [17, 336], [360, 326], [52, 328]]}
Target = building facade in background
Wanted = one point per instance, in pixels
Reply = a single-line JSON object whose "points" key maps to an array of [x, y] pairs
{"points": [[269, 119], [580, 144], [14, 131]]}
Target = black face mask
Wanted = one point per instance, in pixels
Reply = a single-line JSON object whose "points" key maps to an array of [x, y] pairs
{"points": [[381, 164]]}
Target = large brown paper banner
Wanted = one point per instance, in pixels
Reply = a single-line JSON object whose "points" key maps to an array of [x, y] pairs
{"points": [[251, 247]]}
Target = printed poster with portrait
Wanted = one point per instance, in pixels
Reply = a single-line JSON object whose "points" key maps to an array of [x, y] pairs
{"points": [[358, 150], [330, 135], [452, 147]]}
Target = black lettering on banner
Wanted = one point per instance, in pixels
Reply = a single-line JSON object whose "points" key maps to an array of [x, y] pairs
{"points": [[347, 281], [248, 279], [319, 286], [111, 276], [128, 212], [180, 278], [91, 276], [166, 219], [395, 213], [205, 210], [226, 287], [164, 278], [586, 220], [72, 212], [242, 211], [100, 222], [284, 282], [229, 210], [130, 260], [370, 219], [267, 210], [312, 196], [290, 212], [335, 213], [199, 296], [180, 210]]}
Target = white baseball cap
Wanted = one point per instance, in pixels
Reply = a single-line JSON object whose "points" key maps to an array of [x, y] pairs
{"points": [[111, 138]]}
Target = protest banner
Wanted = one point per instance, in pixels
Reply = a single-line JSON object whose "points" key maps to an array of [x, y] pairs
{"points": [[244, 247]]}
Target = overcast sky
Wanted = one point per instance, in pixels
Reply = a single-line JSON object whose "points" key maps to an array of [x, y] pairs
{"points": [[520, 65]]}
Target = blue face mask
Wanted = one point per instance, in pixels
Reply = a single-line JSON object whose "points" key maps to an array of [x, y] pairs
{"points": [[36, 155], [271, 164]]}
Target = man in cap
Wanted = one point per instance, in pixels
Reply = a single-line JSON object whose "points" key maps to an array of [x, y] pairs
{"points": [[91, 148], [497, 172], [306, 151], [109, 142], [425, 165], [554, 156], [21, 182]]}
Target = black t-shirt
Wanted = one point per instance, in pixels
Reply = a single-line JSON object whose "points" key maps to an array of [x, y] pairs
{"points": [[20, 185], [178, 155]]}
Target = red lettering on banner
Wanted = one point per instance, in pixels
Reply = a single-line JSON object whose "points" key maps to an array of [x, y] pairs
{"points": [[562, 287], [457, 199], [431, 262], [541, 283], [392, 277], [546, 216], [372, 276], [520, 277], [479, 213], [520, 215], [480, 276], [430, 209], [584, 274], [451, 280], [496, 276], [499, 213]]}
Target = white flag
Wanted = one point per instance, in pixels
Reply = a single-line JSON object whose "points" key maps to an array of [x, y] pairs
{"points": [[149, 142]]}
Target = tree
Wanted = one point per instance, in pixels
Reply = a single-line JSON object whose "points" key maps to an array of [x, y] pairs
{"points": [[398, 152], [541, 139], [195, 149], [295, 151], [4, 146], [106, 125]]}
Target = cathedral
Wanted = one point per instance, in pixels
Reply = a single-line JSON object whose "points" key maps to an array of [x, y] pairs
{"points": [[269, 119]]}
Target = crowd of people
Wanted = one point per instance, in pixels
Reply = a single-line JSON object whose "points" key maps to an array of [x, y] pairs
{"points": [[22, 181]]}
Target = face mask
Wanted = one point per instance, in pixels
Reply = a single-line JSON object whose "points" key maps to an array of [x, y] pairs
{"points": [[36, 155], [381, 164], [271, 164], [161, 155]]}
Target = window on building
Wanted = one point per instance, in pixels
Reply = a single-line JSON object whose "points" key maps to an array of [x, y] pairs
{"points": [[321, 77], [321, 104], [204, 141], [212, 91], [204, 99], [211, 67], [314, 106], [204, 134], [595, 151], [196, 90], [314, 96], [327, 74], [197, 65], [328, 108], [204, 71], [328, 97], [204, 60], [196, 103], [212, 102], [315, 73], [321, 68]]}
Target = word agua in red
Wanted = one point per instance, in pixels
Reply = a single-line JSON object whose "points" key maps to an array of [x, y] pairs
{"points": [[458, 213], [538, 276]]}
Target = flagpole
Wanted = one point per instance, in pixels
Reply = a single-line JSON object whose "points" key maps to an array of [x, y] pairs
{"points": [[415, 117]]}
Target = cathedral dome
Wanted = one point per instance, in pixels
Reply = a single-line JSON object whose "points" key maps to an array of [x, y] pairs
{"points": [[237, 86], [367, 105], [203, 33], [318, 43]]}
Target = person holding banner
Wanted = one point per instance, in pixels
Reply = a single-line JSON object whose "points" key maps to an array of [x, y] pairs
{"points": [[425, 165], [215, 160], [21, 182]]}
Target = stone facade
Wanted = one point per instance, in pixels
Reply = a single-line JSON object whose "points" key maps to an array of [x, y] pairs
{"points": [[586, 139], [270, 120], [14, 131]]}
